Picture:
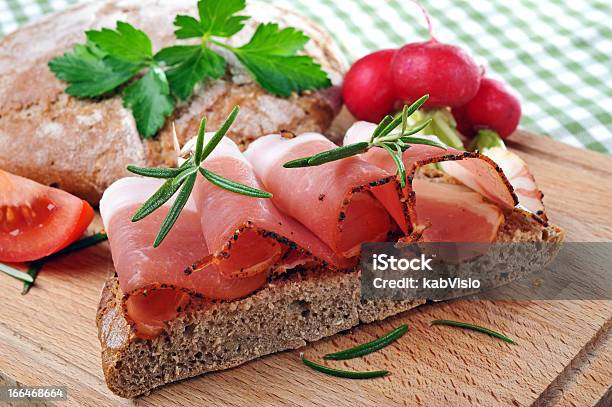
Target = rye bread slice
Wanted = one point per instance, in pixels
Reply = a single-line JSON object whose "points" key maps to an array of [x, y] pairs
{"points": [[291, 311]]}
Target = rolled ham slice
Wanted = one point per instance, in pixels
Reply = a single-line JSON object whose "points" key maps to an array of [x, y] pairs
{"points": [[246, 233], [478, 172], [345, 203], [153, 279]]}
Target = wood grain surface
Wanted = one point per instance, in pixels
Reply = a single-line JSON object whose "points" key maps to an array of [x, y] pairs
{"points": [[563, 354]]}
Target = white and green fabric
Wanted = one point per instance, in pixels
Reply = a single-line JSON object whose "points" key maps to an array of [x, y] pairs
{"points": [[556, 54]]}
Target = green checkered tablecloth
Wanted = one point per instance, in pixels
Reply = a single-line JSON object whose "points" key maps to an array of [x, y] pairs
{"points": [[557, 54]]}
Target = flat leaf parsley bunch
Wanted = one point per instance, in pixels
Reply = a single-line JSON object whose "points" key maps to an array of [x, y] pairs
{"points": [[154, 82]]}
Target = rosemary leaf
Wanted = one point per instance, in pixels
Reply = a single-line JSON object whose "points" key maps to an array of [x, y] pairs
{"points": [[18, 274], [154, 172], [297, 163], [406, 112], [416, 105], [416, 128], [200, 142], [216, 138], [421, 140], [338, 153], [383, 123], [369, 347], [473, 328], [160, 197], [343, 373], [185, 173], [397, 158], [390, 127], [233, 186], [175, 210]]}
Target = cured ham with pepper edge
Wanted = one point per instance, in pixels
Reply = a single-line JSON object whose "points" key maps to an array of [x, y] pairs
{"points": [[449, 213], [345, 203]]}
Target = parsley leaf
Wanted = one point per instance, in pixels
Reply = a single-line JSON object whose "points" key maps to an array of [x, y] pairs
{"points": [[89, 72], [216, 19], [189, 27], [270, 58], [127, 43], [150, 101], [269, 39], [188, 65]]}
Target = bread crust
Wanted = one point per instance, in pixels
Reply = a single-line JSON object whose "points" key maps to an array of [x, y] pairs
{"points": [[82, 146], [287, 314]]}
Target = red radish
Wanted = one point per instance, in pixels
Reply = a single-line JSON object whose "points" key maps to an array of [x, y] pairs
{"points": [[368, 89], [493, 107], [464, 124], [445, 72]]}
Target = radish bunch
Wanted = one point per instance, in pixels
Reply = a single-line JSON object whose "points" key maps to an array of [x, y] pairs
{"points": [[379, 83]]}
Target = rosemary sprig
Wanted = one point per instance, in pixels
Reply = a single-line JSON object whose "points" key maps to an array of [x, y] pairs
{"points": [[473, 328], [386, 136], [182, 179], [369, 347], [347, 374]]}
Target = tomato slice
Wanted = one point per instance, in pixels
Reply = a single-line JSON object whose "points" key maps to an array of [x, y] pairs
{"points": [[36, 220]]}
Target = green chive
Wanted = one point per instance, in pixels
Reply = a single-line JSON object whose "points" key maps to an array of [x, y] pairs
{"points": [[338, 153], [214, 141], [343, 373], [369, 347], [233, 186], [160, 197], [154, 172], [200, 141], [472, 327], [175, 210], [18, 274]]}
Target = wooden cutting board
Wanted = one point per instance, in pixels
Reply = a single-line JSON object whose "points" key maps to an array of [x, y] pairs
{"points": [[564, 350]]}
